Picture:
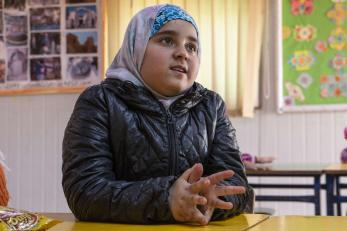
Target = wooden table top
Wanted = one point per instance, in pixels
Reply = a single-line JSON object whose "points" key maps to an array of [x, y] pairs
{"points": [[293, 169], [60, 216], [241, 222], [336, 168], [302, 223]]}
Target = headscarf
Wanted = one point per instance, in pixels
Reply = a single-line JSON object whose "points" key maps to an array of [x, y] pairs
{"points": [[145, 24]]}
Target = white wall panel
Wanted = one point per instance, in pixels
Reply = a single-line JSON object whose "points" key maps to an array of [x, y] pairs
{"points": [[31, 133]]}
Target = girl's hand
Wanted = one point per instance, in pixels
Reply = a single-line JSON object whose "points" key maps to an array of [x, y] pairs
{"points": [[193, 198], [184, 196], [214, 191]]}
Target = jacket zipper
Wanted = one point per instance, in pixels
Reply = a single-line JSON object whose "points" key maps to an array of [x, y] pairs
{"points": [[172, 144]]}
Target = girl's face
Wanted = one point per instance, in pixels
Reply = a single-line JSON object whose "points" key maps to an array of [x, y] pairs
{"points": [[171, 63]]}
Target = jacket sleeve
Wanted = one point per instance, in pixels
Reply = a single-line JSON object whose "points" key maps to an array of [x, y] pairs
{"points": [[92, 191], [225, 155]]}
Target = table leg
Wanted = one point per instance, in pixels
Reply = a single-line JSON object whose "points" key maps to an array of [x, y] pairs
{"points": [[330, 194], [338, 202], [317, 188]]}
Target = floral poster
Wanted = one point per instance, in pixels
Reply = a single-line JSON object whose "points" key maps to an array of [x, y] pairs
{"points": [[49, 46], [314, 55]]}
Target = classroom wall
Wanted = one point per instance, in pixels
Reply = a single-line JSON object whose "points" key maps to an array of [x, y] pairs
{"points": [[31, 132], [312, 137]]}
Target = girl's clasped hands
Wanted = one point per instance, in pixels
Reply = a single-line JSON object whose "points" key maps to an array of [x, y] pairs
{"points": [[193, 198]]}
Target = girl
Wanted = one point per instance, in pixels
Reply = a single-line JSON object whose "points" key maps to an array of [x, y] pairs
{"points": [[149, 144]]}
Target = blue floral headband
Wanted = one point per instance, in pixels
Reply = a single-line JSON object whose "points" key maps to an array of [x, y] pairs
{"points": [[168, 13]]}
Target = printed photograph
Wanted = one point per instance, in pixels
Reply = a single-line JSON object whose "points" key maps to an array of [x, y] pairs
{"points": [[81, 17], [17, 64], [81, 42], [15, 5], [79, 68], [1, 23], [2, 71], [45, 69], [45, 18], [79, 1], [45, 43], [2, 60], [43, 2], [16, 30], [2, 48]]}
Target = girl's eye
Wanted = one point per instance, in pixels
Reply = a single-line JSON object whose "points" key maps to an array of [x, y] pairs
{"points": [[191, 47], [166, 41]]}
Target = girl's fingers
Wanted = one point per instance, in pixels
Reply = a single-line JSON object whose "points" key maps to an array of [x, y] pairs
{"points": [[197, 187], [222, 204], [198, 200], [229, 190], [193, 216], [187, 173], [196, 173], [199, 218], [219, 176]]}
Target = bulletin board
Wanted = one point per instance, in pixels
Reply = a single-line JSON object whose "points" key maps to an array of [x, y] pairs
{"points": [[312, 55], [50, 46]]}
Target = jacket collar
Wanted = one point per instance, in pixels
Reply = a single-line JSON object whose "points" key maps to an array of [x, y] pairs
{"points": [[139, 98]]}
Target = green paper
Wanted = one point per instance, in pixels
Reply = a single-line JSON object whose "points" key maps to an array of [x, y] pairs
{"points": [[321, 66]]}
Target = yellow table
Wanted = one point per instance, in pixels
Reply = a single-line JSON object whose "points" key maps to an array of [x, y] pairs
{"points": [[302, 223], [241, 222]]}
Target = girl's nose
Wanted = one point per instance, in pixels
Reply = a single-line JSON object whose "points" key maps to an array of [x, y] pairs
{"points": [[181, 52]]}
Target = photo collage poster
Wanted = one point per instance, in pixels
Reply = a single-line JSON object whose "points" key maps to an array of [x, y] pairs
{"points": [[49, 45]]}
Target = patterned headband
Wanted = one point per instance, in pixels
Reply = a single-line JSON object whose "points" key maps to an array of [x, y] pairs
{"points": [[168, 13]]}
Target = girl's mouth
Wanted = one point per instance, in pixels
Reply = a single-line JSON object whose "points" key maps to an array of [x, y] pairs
{"points": [[179, 68]]}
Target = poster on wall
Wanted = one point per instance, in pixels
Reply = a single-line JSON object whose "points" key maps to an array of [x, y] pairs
{"points": [[312, 55], [50, 46]]}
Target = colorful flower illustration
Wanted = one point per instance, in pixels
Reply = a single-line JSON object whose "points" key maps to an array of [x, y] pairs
{"points": [[336, 1], [288, 101], [304, 80], [338, 92], [333, 85], [338, 38], [344, 88], [321, 46], [302, 60], [338, 62], [324, 79], [300, 7], [304, 33], [338, 14], [295, 91], [324, 92], [286, 32]]}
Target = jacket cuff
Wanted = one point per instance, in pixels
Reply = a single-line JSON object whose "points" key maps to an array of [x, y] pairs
{"points": [[166, 215]]}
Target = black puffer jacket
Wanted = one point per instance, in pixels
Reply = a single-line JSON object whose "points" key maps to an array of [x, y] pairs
{"points": [[122, 151]]}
